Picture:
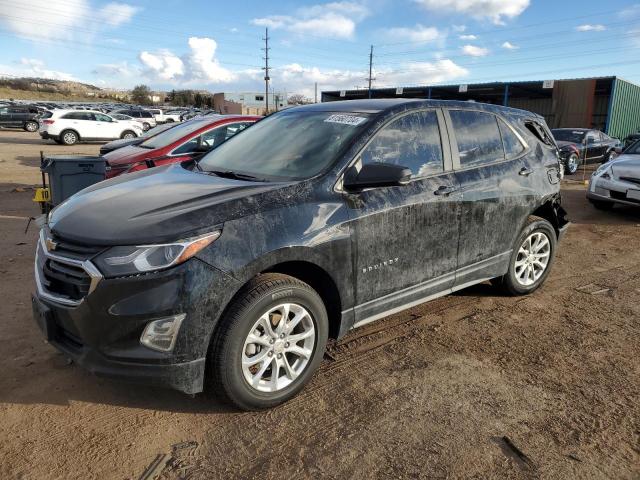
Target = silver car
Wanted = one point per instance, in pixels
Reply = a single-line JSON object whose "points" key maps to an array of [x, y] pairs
{"points": [[617, 181]]}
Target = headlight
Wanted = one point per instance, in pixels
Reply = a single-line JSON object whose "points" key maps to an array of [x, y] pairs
{"points": [[121, 261], [601, 170]]}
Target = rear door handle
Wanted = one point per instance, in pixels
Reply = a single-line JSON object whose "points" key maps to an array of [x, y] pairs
{"points": [[525, 172], [445, 190]]}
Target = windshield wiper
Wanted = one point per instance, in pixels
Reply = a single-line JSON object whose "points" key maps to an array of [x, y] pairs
{"points": [[235, 175], [146, 146]]}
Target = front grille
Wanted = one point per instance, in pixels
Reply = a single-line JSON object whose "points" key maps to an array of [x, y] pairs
{"points": [[66, 280], [64, 272], [631, 180], [622, 196]]}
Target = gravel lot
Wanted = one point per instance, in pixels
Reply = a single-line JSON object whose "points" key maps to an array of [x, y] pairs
{"points": [[474, 385]]}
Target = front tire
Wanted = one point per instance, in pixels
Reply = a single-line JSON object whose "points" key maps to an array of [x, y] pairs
{"points": [[31, 126], [128, 134], [269, 343], [69, 137], [145, 126], [572, 164], [531, 259]]}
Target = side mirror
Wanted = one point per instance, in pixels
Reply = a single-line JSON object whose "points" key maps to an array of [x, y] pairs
{"points": [[373, 175], [591, 140]]}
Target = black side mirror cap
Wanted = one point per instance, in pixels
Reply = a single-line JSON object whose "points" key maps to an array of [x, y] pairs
{"points": [[373, 175]]}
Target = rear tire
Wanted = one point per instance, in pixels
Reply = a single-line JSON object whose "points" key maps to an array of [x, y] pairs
{"points": [[602, 205], [169, 120], [145, 126], [531, 259], [69, 137], [31, 126], [276, 324]]}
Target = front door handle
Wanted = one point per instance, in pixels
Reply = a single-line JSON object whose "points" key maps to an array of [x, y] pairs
{"points": [[525, 172], [445, 190]]}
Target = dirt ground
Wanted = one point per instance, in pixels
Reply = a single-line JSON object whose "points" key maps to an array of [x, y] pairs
{"points": [[474, 385]]}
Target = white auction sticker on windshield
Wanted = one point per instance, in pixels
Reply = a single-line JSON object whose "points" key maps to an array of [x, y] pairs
{"points": [[345, 119]]}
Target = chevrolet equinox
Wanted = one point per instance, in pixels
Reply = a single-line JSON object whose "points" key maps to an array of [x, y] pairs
{"points": [[233, 271]]}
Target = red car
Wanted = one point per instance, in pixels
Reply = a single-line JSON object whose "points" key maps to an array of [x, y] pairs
{"points": [[186, 141]]}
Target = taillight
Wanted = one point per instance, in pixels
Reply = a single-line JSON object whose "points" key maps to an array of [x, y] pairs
{"points": [[48, 122]]}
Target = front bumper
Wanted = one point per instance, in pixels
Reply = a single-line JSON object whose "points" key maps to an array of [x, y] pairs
{"points": [[102, 332], [614, 191]]}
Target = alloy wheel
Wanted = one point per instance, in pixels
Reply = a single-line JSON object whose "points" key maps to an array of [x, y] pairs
{"points": [[278, 348], [532, 259], [69, 138], [572, 163]]}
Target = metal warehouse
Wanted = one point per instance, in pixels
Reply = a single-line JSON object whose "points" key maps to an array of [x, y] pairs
{"points": [[610, 104]]}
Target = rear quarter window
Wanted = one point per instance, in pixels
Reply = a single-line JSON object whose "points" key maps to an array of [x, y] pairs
{"points": [[478, 137]]}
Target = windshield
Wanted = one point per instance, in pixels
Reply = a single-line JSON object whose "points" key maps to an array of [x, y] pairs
{"points": [[172, 135], [289, 145], [574, 136], [152, 132], [633, 149]]}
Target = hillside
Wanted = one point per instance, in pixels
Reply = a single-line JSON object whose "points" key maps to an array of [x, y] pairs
{"points": [[47, 89]]}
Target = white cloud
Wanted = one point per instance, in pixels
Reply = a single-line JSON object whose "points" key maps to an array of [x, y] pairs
{"points": [[495, 10], [115, 14], [32, 67], [122, 69], [510, 46], [334, 20], [200, 65], [474, 51], [35, 19], [37, 22], [203, 63], [468, 37], [590, 28], [299, 79], [163, 65], [417, 34]]}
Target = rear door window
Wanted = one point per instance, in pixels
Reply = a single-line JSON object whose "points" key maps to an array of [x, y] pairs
{"points": [[411, 141], [513, 147], [478, 137]]}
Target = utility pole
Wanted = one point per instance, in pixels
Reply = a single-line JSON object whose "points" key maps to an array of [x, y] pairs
{"points": [[371, 79], [316, 93], [266, 70]]}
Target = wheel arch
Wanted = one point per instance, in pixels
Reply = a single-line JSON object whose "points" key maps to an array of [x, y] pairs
{"points": [[125, 131], [68, 129], [552, 211], [321, 281]]}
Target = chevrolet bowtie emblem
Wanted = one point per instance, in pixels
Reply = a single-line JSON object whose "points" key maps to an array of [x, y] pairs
{"points": [[51, 245]]}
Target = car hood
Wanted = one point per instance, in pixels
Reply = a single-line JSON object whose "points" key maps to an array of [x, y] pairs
{"points": [[626, 166], [155, 205], [127, 155]]}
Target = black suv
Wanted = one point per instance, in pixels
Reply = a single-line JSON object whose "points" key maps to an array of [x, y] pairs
{"points": [[313, 221], [20, 116]]}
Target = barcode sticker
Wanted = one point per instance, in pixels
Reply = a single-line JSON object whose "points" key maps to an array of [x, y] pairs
{"points": [[345, 119]]}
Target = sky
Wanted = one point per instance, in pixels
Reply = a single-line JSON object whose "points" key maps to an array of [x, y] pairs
{"points": [[217, 46]]}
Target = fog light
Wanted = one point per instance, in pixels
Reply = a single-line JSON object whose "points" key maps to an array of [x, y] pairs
{"points": [[161, 334]]}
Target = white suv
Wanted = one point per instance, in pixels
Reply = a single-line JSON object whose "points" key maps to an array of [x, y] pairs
{"points": [[72, 126]]}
